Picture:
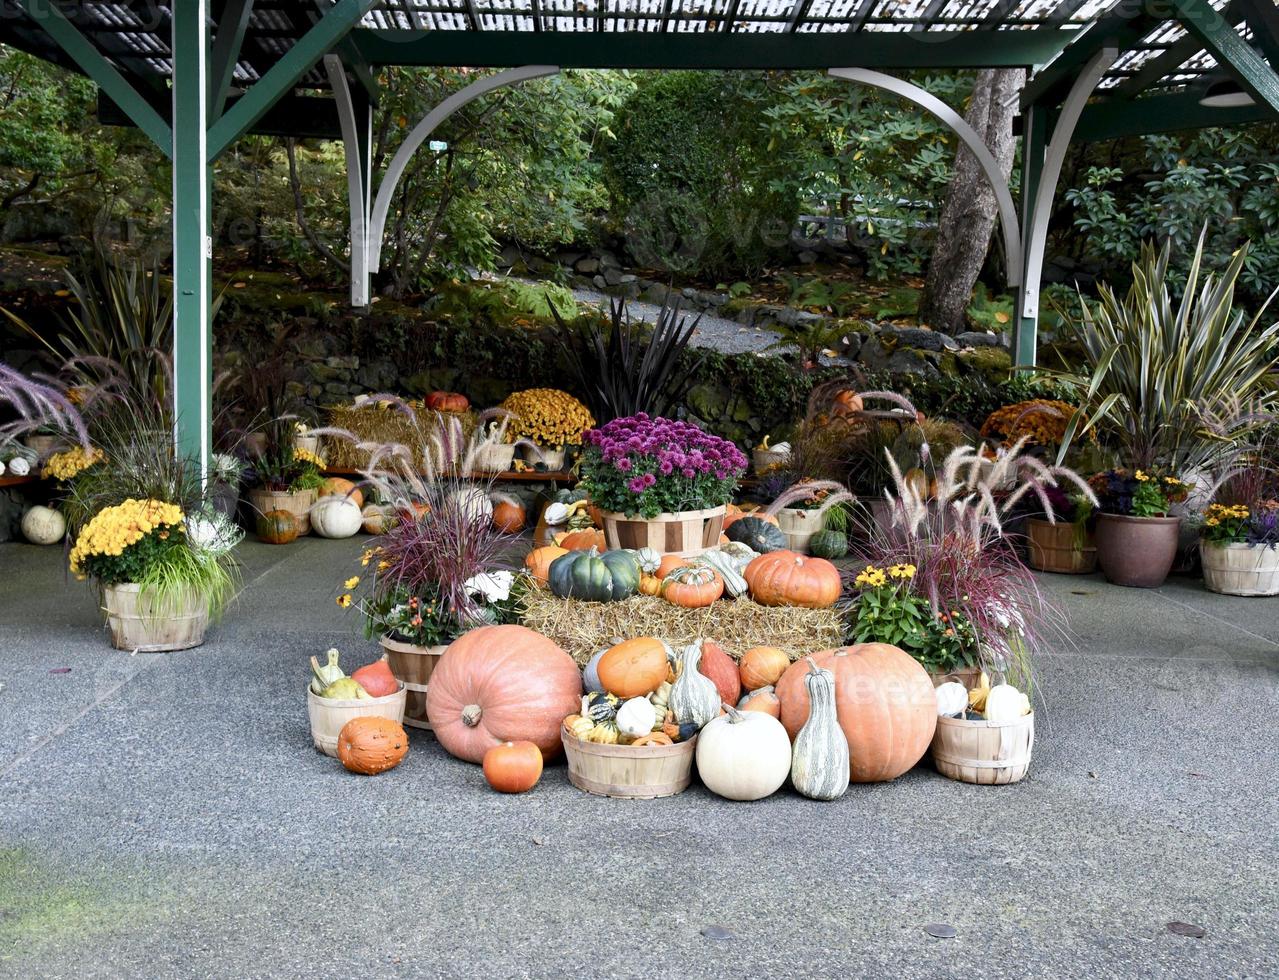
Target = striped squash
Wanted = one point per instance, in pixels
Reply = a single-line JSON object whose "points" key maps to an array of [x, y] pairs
{"points": [[819, 761], [694, 697]]}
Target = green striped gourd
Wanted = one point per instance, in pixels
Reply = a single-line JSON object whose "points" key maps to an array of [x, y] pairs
{"points": [[734, 583], [694, 697], [819, 762]]}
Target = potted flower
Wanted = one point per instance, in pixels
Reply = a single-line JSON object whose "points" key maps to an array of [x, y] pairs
{"points": [[1059, 534], [162, 575], [1237, 544], [1137, 538], [287, 478], [551, 419], [659, 483]]}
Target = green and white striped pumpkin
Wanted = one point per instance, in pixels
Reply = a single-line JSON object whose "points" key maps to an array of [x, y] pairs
{"points": [[734, 584], [819, 760], [694, 697]]}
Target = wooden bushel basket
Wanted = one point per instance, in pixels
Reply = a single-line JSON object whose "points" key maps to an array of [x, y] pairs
{"points": [[626, 772], [329, 715], [987, 753], [296, 502], [799, 526], [412, 666], [138, 621], [1240, 569], [687, 533], [1051, 548]]}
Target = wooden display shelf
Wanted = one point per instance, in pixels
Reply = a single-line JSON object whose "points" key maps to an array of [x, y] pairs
{"points": [[18, 481], [512, 476]]}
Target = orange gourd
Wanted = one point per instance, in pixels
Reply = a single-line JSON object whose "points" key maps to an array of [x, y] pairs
{"points": [[335, 486], [539, 560], [654, 738], [650, 585], [668, 564], [513, 767], [582, 540], [376, 678], [692, 587], [764, 700], [722, 669], [784, 578], [762, 666], [509, 516], [633, 668], [884, 703], [370, 745], [502, 684], [846, 402]]}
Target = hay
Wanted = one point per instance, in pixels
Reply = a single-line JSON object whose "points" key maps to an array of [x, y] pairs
{"points": [[371, 424], [582, 628]]}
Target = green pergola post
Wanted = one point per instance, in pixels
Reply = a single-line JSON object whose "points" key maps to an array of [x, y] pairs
{"points": [[1034, 144], [192, 244]]}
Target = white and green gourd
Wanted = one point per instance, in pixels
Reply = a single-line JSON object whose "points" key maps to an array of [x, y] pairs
{"points": [[819, 761], [649, 560], [635, 718], [661, 699], [726, 566], [694, 697]]}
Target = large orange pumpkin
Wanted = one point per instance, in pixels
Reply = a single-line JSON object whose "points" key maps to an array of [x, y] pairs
{"points": [[370, 745], [335, 486], [583, 540], [539, 560], [762, 666], [501, 684], [722, 669], [784, 578], [884, 702], [513, 767], [509, 516], [633, 668]]}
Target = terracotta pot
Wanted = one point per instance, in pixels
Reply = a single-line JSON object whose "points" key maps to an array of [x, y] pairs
{"points": [[1051, 548], [1137, 551], [1240, 569]]}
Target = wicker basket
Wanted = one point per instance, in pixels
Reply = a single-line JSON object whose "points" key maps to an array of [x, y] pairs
{"points": [[412, 666], [1240, 569], [328, 715], [1051, 548], [688, 533], [987, 753], [296, 502], [141, 623], [799, 526], [626, 772]]}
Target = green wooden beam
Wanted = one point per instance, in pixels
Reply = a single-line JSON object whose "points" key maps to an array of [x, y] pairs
{"points": [[879, 49], [1118, 118], [1232, 52], [354, 62], [1034, 143], [1263, 18], [233, 22], [277, 82], [108, 78], [1121, 29]]}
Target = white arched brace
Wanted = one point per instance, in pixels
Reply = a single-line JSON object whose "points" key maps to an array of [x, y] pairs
{"points": [[357, 139], [949, 117], [386, 189]]}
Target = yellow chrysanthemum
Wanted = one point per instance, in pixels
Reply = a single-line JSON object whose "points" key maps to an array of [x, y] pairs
{"points": [[66, 465], [113, 529], [351, 583], [547, 416]]}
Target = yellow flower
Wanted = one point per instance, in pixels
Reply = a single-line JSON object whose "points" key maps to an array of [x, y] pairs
{"points": [[1140, 476], [352, 582], [344, 600]]}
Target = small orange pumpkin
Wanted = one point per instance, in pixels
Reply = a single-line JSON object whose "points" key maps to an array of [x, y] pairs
{"points": [[654, 738], [370, 745], [765, 700], [277, 527], [784, 578], [509, 516], [633, 668], [335, 486], [668, 564], [582, 540], [513, 767], [762, 666], [846, 402], [729, 521], [377, 678], [692, 587], [539, 560]]}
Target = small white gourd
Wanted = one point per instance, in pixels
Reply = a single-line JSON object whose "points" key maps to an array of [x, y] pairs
{"points": [[556, 513], [636, 717], [819, 761], [2, 467], [20, 466], [650, 560], [1006, 703], [694, 697], [952, 699]]}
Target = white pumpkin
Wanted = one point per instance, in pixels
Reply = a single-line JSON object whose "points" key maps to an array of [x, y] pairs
{"points": [[336, 517], [1006, 703], [952, 699], [556, 513], [743, 755], [20, 466], [474, 503], [650, 560], [43, 525], [636, 717], [2, 467]]}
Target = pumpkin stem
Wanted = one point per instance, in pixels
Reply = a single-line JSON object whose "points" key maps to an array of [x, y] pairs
{"points": [[734, 716], [471, 715]]}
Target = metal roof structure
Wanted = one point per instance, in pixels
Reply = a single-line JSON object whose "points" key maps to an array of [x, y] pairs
{"points": [[195, 75]]}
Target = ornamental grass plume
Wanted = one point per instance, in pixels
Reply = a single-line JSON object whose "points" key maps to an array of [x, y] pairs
{"points": [[38, 404]]}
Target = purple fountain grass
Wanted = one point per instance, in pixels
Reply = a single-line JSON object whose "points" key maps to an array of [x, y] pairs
{"points": [[38, 404]]}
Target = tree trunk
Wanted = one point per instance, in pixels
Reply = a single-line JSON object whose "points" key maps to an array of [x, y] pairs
{"points": [[969, 212]]}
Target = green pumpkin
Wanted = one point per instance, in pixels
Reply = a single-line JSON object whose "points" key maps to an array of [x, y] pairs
{"points": [[593, 576], [828, 544], [600, 706], [758, 534]]}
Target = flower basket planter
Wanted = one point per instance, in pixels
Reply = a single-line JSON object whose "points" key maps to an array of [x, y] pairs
{"points": [[328, 715], [1137, 552], [986, 753], [412, 666], [552, 459], [625, 772], [495, 457], [687, 533], [1240, 569], [140, 622], [1052, 548], [799, 526], [296, 502]]}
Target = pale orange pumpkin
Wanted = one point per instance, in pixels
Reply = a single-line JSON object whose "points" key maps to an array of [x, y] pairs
{"points": [[509, 516], [762, 666], [722, 669], [370, 745], [633, 668], [884, 702], [653, 738], [539, 560], [765, 700], [335, 486], [501, 684], [668, 564], [692, 587], [513, 767], [582, 540], [784, 578]]}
